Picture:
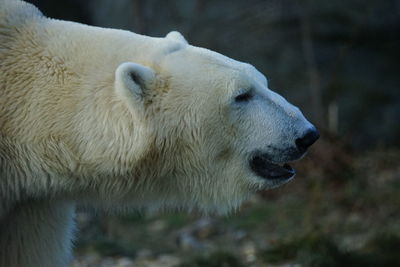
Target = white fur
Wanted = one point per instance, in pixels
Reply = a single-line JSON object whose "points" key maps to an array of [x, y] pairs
{"points": [[75, 127], [174, 35]]}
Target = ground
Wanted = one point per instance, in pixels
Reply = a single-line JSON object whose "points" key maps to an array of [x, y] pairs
{"points": [[342, 209]]}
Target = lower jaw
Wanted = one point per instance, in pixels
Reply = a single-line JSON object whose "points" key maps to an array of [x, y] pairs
{"points": [[267, 183]]}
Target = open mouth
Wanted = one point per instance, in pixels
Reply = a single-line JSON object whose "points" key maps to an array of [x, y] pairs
{"points": [[269, 170]]}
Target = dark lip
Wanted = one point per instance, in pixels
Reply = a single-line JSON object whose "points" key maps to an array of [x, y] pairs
{"points": [[266, 169]]}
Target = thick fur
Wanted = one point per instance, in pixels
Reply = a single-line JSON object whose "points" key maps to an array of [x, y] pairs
{"points": [[118, 120]]}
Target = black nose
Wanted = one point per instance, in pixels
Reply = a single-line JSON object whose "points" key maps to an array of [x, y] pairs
{"points": [[307, 140]]}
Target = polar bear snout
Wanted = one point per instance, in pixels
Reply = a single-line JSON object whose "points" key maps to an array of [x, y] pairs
{"points": [[309, 138], [271, 162]]}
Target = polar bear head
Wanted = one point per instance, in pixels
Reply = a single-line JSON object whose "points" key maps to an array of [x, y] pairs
{"points": [[220, 133]]}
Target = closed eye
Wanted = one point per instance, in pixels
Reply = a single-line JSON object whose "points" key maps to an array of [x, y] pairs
{"points": [[244, 97]]}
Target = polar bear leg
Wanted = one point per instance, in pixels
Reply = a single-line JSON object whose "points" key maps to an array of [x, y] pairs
{"points": [[37, 234]]}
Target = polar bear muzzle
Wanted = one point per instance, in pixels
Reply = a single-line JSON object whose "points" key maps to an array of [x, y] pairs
{"points": [[262, 165]]}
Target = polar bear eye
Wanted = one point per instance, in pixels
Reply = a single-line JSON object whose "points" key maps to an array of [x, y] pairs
{"points": [[244, 97]]}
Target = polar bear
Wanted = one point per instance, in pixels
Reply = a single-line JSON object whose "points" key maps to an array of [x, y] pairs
{"points": [[117, 120]]}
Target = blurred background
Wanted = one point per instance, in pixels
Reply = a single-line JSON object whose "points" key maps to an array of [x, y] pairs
{"points": [[337, 61]]}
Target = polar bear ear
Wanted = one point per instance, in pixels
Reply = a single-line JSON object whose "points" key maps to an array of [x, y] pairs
{"points": [[177, 36], [132, 80]]}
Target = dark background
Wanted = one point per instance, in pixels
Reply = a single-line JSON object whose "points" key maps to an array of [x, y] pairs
{"points": [[337, 61]]}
